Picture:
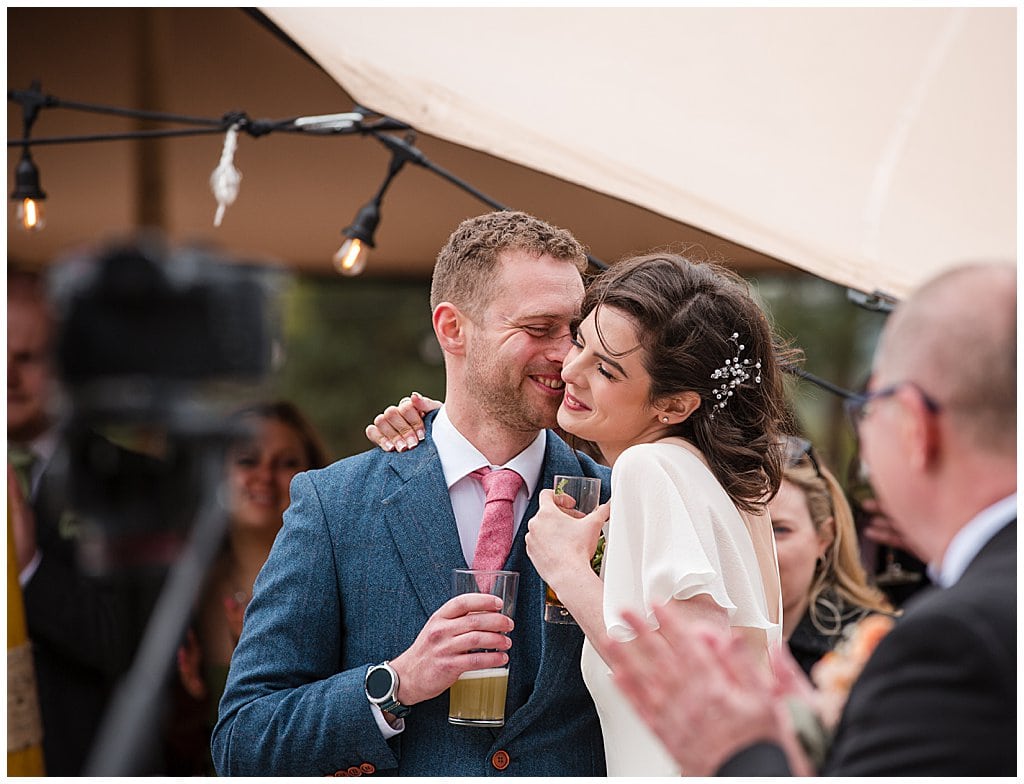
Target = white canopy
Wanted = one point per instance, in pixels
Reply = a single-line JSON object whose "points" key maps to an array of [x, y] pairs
{"points": [[870, 146]]}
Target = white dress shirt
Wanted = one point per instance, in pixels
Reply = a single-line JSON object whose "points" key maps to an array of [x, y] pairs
{"points": [[970, 539]]}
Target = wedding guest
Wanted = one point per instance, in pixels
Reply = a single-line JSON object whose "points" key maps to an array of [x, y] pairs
{"points": [[824, 587], [358, 582], [938, 695], [84, 628], [277, 443]]}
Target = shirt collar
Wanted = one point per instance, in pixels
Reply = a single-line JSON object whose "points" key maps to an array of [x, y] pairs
{"points": [[45, 445], [970, 539], [459, 457]]}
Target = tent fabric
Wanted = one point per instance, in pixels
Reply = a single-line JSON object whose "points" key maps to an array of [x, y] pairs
{"points": [[872, 147]]}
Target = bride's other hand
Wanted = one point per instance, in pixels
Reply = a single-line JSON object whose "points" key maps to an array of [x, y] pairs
{"points": [[400, 427], [561, 541]]}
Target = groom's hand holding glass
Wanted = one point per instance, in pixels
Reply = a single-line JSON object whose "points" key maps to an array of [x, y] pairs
{"points": [[468, 632]]}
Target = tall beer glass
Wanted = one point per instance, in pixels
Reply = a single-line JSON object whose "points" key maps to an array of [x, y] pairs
{"points": [[477, 698]]}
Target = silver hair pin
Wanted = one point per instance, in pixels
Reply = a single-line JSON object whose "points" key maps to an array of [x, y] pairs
{"points": [[734, 373]]}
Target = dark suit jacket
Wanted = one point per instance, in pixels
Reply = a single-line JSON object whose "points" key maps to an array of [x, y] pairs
{"points": [[84, 630], [938, 697], [364, 558]]}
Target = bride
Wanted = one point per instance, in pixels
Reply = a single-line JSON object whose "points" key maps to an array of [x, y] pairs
{"points": [[673, 374]]}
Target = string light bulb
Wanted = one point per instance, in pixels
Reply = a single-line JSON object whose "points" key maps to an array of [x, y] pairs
{"points": [[354, 251], [28, 194], [351, 257], [350, 260]]}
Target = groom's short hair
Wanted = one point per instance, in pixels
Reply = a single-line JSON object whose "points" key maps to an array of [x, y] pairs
{"points": [[467, 263]]}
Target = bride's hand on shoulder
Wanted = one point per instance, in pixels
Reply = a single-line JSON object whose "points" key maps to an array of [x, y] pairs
{"points": [[400, 427], [561, 541]]}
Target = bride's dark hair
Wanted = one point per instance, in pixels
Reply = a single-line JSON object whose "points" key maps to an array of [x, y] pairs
{"points": [[686, 314]]}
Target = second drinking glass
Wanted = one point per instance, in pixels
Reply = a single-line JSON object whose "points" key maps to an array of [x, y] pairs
{"points": [[586, 491]]}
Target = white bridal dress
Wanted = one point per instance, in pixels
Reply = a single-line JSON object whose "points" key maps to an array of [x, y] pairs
{"points": [[674, 533]]}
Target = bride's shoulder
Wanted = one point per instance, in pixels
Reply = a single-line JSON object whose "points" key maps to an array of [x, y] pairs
{"points": [[665, 454]]}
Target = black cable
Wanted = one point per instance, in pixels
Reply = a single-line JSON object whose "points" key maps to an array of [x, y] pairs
{"points": [[112, 137], [254, 128], [846, 394], [138, 114], [395, 166], [34, 97], [416, 156]]}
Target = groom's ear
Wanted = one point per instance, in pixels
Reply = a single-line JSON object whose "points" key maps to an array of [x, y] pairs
{"points": [[450, 325], [678, 408]]}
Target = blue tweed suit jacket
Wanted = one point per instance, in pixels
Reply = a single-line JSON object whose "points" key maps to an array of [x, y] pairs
{"points": [[364, 558]]}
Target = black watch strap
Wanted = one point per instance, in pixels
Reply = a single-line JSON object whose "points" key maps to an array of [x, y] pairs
{"points": [[396, 709]]}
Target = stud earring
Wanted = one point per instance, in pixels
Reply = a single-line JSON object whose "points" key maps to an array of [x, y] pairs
{"points": [[664, 419]]}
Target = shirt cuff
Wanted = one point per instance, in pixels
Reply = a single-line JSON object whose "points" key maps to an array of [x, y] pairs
{"points": [[29, 571], [386, 729]]}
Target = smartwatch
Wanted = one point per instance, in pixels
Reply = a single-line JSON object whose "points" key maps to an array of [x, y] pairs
{"points": [[381, 686]]}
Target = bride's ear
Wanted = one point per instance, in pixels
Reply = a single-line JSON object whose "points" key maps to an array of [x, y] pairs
{"points": [[677, 408]]}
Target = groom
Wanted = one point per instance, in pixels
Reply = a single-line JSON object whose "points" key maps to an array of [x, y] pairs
{"points": [[359, 579]]}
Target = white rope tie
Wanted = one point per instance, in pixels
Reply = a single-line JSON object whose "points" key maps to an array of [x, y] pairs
{"points": [[225, 179]]}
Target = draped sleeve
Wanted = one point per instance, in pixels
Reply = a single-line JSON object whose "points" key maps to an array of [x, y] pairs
{"points": [[674, 533]]}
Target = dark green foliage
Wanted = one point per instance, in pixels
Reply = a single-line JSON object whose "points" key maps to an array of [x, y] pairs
{"points": [[353, 347]]}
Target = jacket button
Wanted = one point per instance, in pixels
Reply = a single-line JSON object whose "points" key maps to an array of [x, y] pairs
{"points": [[354, 771], [500, 759], [367, 769]]}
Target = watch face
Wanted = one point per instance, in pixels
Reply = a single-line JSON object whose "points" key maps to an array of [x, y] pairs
{"points": [[378, 683]]}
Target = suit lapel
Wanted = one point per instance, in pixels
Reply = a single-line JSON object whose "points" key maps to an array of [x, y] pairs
{"points": [[418, 513], [561, 644]]}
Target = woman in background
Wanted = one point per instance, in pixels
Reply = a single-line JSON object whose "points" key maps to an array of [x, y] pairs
{"points": [[824, 587], [277, 442]]}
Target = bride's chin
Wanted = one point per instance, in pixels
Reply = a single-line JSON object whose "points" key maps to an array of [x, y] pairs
{"points": [[563, 418], [568, 422]]}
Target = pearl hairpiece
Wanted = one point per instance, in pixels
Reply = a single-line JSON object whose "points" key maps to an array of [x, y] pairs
{"points": [[734, 373]]}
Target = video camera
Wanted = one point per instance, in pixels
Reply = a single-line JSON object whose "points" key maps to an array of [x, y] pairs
{"points": [[147, 338]]}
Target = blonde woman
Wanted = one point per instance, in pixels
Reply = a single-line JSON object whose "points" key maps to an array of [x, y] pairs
{"points": [[824, 586]]}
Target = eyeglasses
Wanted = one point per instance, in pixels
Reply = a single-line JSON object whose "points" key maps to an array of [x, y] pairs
{"points": [[857, 407], [797, 449]]}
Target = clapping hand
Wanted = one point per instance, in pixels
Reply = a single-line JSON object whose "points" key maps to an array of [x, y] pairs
{"points": [[705, 694]]}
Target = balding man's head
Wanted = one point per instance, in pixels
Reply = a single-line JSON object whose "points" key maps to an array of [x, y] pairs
{"points": [[956, 338]]}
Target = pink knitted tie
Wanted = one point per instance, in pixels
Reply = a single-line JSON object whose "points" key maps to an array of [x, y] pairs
{"points": [[495, 541]]}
